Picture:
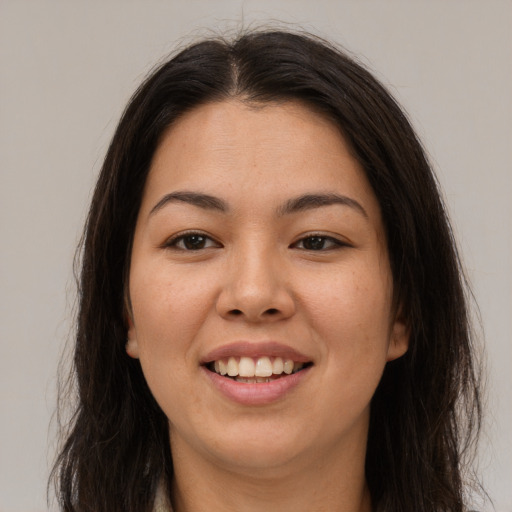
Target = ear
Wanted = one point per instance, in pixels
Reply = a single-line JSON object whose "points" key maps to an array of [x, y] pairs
{"points": [[132, 346], [399, 339]]}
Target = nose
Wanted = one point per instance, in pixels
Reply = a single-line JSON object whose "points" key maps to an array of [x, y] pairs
{"points": [[256, 289]]}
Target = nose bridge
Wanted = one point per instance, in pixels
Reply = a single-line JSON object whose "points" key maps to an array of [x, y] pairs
{"points": [[256, 287]]}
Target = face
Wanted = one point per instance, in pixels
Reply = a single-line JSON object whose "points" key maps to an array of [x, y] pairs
{"points": [[259, 250]]}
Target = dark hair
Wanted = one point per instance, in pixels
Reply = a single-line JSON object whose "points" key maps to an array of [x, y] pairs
{"points": [[426, 408]]}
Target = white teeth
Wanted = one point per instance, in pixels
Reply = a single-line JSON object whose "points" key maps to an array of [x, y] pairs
{"points": [[288, 366], [278, 366], [223, 370], [246, 367], [253, 380], [232, 367], [263, 367]]}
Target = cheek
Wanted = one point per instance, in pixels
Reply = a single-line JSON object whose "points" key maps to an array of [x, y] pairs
{"points": [[350, 311], [168, 314], [169, 309], [350, 299]]}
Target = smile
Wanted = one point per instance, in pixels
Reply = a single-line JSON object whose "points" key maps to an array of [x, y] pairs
{"points": [[255, 373], [252, 370]]}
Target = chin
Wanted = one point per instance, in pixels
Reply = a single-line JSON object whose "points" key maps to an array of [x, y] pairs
{"points": [[258, 455], [256, 447]]}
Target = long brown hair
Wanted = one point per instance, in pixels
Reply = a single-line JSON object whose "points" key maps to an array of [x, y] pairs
{"points": [[426, 411]]}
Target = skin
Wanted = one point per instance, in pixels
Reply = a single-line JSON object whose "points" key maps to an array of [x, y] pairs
{"points": [[257, 278]]}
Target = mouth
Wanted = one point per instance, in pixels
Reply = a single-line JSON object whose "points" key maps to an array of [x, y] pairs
{"points": [[256, 370], [256, 373]]}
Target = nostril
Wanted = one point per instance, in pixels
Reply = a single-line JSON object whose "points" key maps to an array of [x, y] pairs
{"points": [[272, 311], [235, 312]]}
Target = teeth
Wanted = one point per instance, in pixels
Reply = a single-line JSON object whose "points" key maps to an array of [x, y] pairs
{"points": [[232, 367], [277, 366], [253, 380], [263, 367], [247, 369]]}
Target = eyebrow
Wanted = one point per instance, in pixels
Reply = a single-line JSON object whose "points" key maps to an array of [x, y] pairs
{"points": [[312, 201], [298, 204], [204, 201]]}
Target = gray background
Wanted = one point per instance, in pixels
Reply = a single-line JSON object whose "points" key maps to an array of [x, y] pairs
{"points": [[68, 68]]}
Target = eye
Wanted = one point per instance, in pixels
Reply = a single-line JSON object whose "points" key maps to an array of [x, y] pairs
{"points": [[318, 243], [191, 242]]}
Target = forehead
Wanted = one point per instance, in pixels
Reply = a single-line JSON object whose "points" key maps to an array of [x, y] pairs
{"points": [[234, 150]]}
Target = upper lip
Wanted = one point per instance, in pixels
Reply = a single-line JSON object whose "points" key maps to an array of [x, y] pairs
{"points": [[255, 349]]}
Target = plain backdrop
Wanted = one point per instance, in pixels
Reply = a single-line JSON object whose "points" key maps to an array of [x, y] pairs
{"points": [[67, 70]]}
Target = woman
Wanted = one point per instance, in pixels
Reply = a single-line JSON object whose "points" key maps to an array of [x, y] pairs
{"points": [[272, 309]]}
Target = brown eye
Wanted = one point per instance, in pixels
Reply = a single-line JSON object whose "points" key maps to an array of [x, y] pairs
{"points": [[314, 243], [318, 243], [192, 242]]}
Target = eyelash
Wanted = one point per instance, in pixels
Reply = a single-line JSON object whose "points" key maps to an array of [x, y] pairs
{"points": [[333, 242], [175, 242]]}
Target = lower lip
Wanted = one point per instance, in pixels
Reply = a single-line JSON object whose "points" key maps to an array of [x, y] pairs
{"points": [[261, 393]]}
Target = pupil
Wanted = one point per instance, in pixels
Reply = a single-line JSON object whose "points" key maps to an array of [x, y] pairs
{"points": [[314, 243], [194, 242]]}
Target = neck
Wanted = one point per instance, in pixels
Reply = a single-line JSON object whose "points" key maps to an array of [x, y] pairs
{"points": [[326, 484]]}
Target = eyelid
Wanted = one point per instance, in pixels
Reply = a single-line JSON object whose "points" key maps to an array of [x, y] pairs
{"points": [[172, 242], [337, 242]]}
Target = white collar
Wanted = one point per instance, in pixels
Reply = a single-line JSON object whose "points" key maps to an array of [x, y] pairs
{"points": [[161, 501]]}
